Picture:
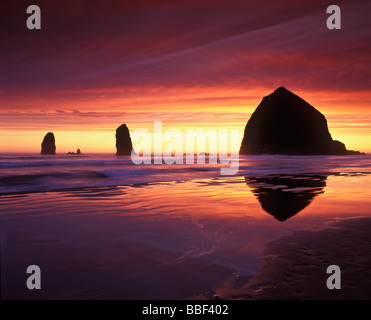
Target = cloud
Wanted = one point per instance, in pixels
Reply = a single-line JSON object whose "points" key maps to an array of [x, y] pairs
{"points": [[107, 121], [188, 44]]}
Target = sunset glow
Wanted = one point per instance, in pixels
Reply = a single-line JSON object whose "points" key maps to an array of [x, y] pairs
{"points": [[92, 68], [183, 154]]}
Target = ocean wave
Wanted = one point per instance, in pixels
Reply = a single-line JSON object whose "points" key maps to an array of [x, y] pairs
{"points": [[40, 174]]}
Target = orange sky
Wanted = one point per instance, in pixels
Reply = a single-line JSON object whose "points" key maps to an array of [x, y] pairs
{"points": [[94, 131], [190, 65]]}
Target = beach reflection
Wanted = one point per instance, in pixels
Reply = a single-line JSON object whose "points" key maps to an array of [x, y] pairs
{"points": [[192, 239], [283, 196]]}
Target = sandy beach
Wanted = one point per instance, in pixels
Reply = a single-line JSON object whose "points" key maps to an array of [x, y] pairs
{"points": [[294, 266], [195, 238]]}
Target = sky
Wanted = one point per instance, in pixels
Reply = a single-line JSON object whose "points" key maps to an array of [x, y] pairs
{"points": [[190, 64]]}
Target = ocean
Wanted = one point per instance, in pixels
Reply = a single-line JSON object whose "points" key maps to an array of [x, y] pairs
{"points": [[101, 227]]}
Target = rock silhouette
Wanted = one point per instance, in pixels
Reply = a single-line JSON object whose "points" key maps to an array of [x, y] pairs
{"points": [[124, 145], [284, 196], [48, 144], [283, 123], [78, 151]]}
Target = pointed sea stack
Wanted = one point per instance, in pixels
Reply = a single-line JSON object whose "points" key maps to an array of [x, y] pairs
{"points": [[124, 145], [48, 144], [283, 123]]}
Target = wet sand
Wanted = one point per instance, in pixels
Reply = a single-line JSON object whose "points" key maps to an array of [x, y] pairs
{"points": [[295, 266], [199, 239]]}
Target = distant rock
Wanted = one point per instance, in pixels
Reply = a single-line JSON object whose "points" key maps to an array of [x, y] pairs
{"points": [[48, 144], [124, 145], [283, 123], [77, 152]]}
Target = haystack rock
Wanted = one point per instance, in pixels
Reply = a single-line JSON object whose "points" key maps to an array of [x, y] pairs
{"points": [[283, 123], [124, 145], [48, 144]]}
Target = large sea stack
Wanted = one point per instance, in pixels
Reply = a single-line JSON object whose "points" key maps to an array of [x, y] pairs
{"points": [[283, 123], [48, 144], [124, 145]]}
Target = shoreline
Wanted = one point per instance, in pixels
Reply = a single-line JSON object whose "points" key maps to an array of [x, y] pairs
{"points": [[212, 180], [211, 236]]}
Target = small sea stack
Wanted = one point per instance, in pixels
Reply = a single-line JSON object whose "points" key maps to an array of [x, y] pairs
{"points": [[48, 145], [283, 123], [124, 145], [77, 152]]}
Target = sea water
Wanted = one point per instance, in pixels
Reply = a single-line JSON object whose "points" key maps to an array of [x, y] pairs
{"points": [[100, 227]]}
